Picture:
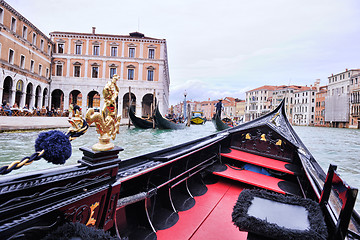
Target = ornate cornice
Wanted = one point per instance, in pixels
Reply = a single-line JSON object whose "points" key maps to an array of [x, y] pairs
{"points": [[130, 66]]}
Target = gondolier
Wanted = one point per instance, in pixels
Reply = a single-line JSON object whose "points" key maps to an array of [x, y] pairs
{"points": [[219, 107]]}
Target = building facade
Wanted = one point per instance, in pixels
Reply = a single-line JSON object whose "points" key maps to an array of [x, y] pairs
{"points": [[25, 58], [84, 62], [258, 102], [337, 101], [70, 68], [354, 121], [320, 107], [304, 106]]}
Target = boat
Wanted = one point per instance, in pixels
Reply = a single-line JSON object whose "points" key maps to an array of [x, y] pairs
{"points": [[197, 118], [163, 123], [222, 124], [140, 122], [215, 187]]}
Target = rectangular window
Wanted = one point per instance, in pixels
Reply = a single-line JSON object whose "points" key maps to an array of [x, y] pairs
{"points": [[60, 48], [113, 51], [96, 50], [112, 72], [42, 45], [76, 71], [49, 49], [131, 52], [151, 53], [1, 15], [40, 69], [78, 49], [11, 56], [13, 24], [24, 33], [150, 75], [130, 74], [47, 73], [32, 63], [59, 70], [22, 61], [34, 39], [95, 72]]}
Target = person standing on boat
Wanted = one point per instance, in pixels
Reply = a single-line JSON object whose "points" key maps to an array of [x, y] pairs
{"points": [[219, 107]]}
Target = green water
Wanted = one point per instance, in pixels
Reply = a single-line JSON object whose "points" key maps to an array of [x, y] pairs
{"points": [[328, 145]]}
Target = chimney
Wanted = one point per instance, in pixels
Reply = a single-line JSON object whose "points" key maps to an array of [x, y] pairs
{"points": [[93, 30]]}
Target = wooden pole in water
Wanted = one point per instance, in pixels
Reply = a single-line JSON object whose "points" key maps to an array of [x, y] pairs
{"points": [[153, 109], [129, 105]]}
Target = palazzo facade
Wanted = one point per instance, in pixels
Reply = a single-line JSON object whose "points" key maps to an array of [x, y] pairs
{"points": [[68, 68]]}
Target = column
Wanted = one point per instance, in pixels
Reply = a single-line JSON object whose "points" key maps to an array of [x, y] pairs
{"points": [[104, 69], [22, 100], [141, 71], [39, 102], [66, 101], [1, 94], [68, 68], [87, 47], [86, 68], [141, 50], [122, 71], [32, 100], [105, 48], [84, 103], [12, 96], [69, 47], [122, 48]]}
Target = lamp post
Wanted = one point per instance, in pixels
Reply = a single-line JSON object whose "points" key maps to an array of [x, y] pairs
{"points": [[185, 93]]}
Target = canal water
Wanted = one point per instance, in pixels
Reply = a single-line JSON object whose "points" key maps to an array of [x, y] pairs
{"points": [[328, 145]]}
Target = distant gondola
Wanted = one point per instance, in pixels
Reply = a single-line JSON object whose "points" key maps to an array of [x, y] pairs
{"points": [[220, 125], [140, 122], [163, 123]]}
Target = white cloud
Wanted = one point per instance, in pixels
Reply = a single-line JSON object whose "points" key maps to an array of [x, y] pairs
{"points": [[223, 48]]}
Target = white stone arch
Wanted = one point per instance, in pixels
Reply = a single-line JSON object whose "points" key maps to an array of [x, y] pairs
{"points": [[38, 96]]}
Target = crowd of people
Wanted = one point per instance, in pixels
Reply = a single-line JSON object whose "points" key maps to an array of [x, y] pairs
{"points": [[14, 110]]}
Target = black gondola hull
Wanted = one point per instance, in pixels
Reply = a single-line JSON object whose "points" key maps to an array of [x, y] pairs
{"points": [[139, 122], [163, 123]]}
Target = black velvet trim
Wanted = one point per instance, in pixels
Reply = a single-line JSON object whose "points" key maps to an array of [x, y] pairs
{"points": [[76, 230], [248, 223]]}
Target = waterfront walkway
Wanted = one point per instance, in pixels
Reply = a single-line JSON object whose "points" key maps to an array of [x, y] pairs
{"points": [[32, 123], [20, 123]]}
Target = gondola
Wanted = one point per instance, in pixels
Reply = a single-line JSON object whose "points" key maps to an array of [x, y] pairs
{"points": [[163, 123], [253, 181], [140, 122], [221, 124]]}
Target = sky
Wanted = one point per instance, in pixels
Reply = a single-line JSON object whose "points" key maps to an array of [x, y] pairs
{"points": [[220, 49]]}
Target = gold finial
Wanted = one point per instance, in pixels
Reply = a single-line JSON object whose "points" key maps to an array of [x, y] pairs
{"points": [[107, 122]]}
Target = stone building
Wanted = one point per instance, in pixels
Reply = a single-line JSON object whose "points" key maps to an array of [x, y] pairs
{"points": [[354, 121], [25, 58], [320, 107], [84, 62], [303, 112], [74, 67], [258, 102]]}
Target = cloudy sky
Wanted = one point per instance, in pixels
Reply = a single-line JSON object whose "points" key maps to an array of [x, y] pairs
{"points": [[222, 48]]}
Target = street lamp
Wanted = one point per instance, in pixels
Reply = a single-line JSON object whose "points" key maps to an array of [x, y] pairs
{"points": [[185, 93]]}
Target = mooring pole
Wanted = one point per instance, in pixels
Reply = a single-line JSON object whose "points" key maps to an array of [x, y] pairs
{"points": [[129, 105], [153, 109]]}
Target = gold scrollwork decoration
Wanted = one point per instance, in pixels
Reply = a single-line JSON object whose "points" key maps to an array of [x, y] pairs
{"points": [[91, 220]]}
